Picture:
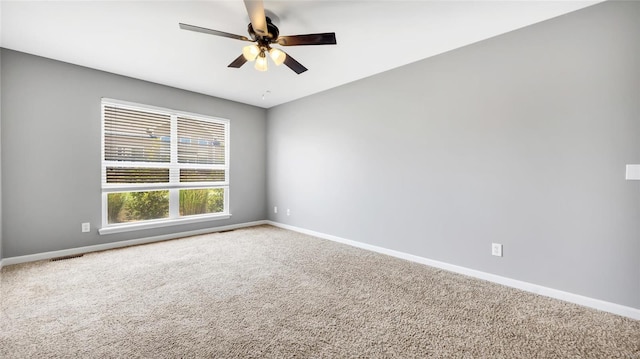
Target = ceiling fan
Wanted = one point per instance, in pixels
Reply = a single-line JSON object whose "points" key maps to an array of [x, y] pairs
{"points": [[264, 33]]}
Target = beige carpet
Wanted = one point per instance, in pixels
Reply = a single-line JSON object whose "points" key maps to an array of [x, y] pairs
{"points": [[264, 292]]}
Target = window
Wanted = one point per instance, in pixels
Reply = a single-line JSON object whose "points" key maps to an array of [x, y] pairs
{"points": [[161, 167]]}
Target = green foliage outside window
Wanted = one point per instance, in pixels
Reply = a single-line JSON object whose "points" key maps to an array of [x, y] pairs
{"points": [[148, 205], [115, 206], [137, 206], [215, 201], [201, 201]]}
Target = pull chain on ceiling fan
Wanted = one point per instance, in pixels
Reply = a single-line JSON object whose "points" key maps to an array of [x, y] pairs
{"points": [[264, 33]]}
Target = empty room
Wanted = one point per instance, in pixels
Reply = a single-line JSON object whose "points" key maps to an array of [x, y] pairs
{"points": [[320, 179]]}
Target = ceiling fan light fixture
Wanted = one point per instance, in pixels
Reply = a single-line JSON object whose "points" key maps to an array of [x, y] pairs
{"points": [[263, 32], [261, 62], [250, 52], [277, 56]]}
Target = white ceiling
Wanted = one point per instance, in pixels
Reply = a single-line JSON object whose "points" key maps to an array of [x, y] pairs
{"points": [[142, 39]]}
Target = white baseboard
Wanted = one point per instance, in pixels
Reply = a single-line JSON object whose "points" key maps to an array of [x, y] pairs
{"points": [[614, 308], [120, 244]]}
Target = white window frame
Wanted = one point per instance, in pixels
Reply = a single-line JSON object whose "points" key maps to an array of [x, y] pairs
{"points": [[174, 185]]}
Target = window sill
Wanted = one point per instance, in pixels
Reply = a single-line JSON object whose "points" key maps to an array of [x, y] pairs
{"points": [[119, 228]]}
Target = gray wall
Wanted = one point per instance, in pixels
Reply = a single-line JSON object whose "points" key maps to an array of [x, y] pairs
{"points": [[51, 152], [521, 139]]}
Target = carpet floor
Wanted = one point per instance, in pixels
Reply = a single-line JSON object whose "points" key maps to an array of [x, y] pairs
{"points": [[265, 292]]}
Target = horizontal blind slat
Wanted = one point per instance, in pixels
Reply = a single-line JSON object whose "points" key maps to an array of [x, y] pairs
{"points": [[202, 175], [137, 175]]}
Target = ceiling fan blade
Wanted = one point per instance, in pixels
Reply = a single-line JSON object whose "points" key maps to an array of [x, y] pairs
{"points": [[237, 63], [213, 32], [327, 38], [294, 65], [255, 9]]}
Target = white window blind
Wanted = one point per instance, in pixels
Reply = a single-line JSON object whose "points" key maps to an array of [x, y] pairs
{"points": [[135, 135], [162, 165], [200, 142]]}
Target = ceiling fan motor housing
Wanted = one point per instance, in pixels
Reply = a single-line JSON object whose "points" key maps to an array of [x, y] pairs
{"points": [[271, 29]]}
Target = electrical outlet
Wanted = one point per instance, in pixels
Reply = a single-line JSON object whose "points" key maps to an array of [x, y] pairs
{"points": [[496, 249], [288, 212], [275, 209], [86, 227]]}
